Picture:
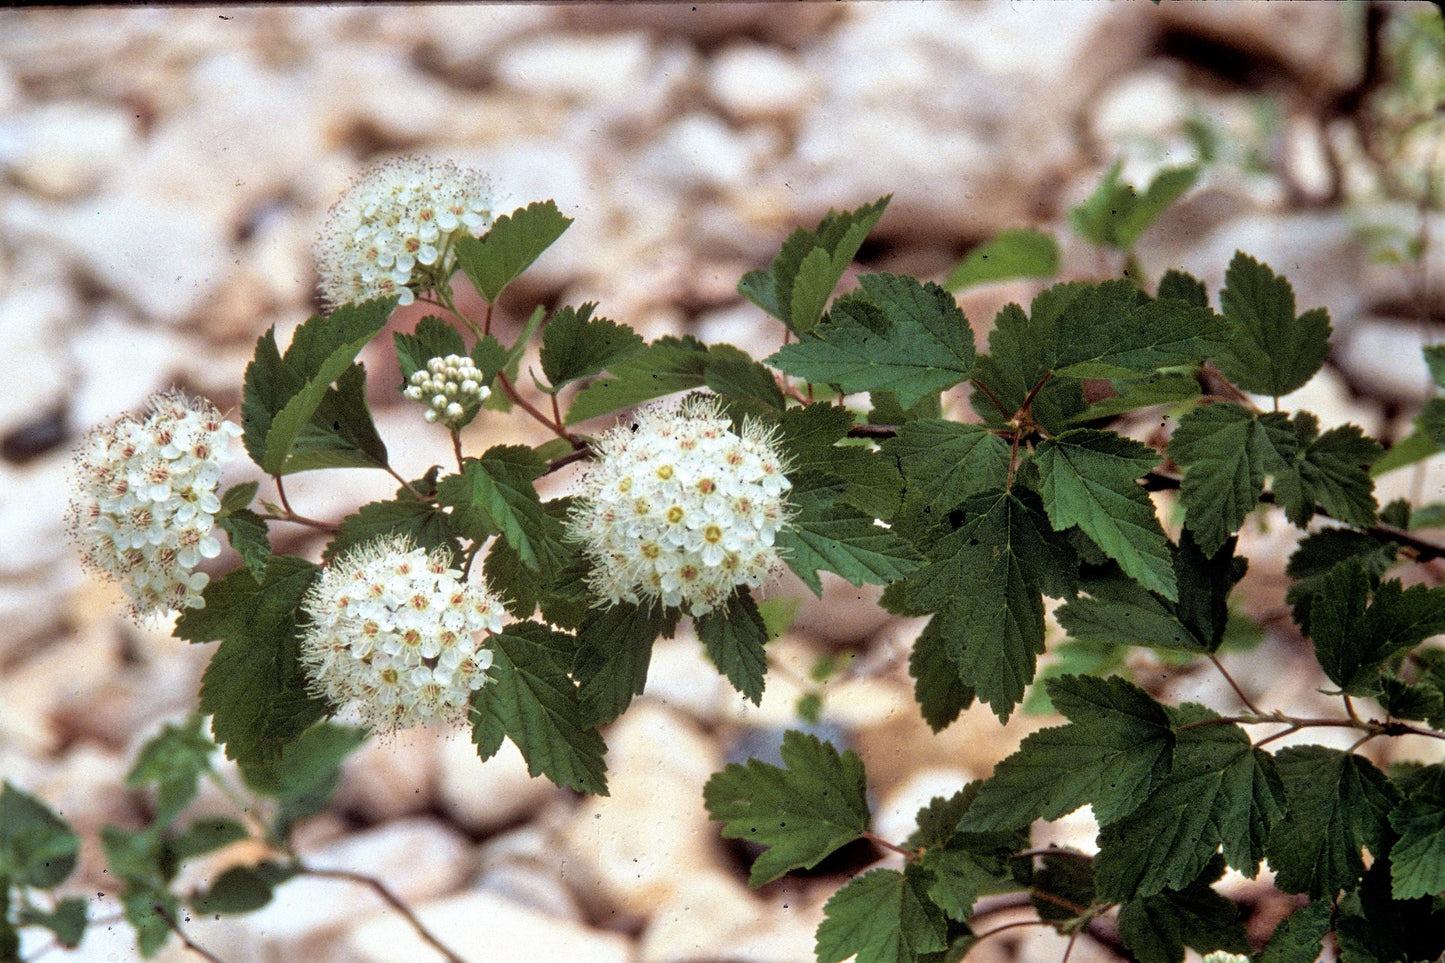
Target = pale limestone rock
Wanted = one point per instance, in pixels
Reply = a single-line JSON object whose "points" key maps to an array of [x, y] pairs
{"points": [[482, 926], [483, 796], [121, 364], [681, 677], [522, 865], [895, 817], [417, 858], [393, 776], [601, 67], [635, 848], [34, 317], [64, 149], [157, 255], [1384, 358], [751, 81]]}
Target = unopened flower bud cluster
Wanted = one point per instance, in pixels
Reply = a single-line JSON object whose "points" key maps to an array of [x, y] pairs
{"points": [[394, 631], [391, 231], [144, 500], [680, 509], [449, 387]]}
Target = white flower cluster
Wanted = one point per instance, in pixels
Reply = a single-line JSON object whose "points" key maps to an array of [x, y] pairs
{"points": [[1219, 956], [679, 508], [143, 505], [448, 387], [391, 231], [396, 632]]}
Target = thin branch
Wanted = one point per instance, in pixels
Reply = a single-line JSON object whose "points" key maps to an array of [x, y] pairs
{"points": [[911, 855], [392, 900], [1234, 685], [175, 927]]}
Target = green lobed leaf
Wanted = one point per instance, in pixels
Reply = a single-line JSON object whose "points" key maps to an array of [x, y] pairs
{"points": [[796, 286], [1061, 886], [1116, 213], [810, 437], [255, 688], [426, 525], [614, 648], [37, 847], [1008, 255], [1319, 552], [529, 699], [666, 366], [894, 334], [1158, 928], [292, 419], [944, 462], [734, 637], [1332, 469], [495, 493], [511, 245], [1117, 747], [432, 338], [243, 889], [1118, 610], [576, 345], [1131, 394], [987, 578], [206, 835], [1371, 926], [837, 538], [67, 921], [1404, 700], [941, 694], [1220, 791], [816, 803], [304, 774], [1022, 350], [1225, 452], [249, 536], [1112, 330], [174, 760], [150, 911], [1270, 351], [1417, 860], [733, 374], [1298, 936], [963, 866], [1335, 804], [1355, 630], [1182, 286], [1089, 478], [882, 916]]}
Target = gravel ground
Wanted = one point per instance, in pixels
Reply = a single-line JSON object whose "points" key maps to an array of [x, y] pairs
{"points": [[162, 176]]}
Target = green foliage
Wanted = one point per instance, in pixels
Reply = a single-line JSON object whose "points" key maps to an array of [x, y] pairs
{"points": [[1116, 214], [893, 335], [734, 637], [530, 699], [986, 577], [576, 345], [1090, 478], [801, 812], [174, 760], [1270, 350], [500, 256], [614, 648], [1355, 629], [495, 494], [1006, 256], [829, 535], [293, 418], [796, 287], [1297, 938], [254, 689], [883, 916], [666, 366], [1335, 804], [37, 848], [302, 777], [1158, 928]]}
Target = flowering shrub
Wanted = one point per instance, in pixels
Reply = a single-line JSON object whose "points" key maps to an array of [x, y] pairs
{"points": [[145, 504], [392, 631], [969, 484], [679, 509]]}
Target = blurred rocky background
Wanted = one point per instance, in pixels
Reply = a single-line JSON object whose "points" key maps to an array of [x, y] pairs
{"points": [[163, 172]]}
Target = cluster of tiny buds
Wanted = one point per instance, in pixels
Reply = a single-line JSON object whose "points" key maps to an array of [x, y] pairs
{"points": [[395, 633], [392, 231], [450, 387], [144, 504], [680, 509]]}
